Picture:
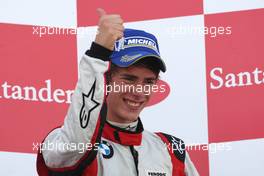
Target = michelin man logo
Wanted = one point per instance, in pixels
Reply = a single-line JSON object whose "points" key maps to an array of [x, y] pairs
{"points": [[119, 45]]}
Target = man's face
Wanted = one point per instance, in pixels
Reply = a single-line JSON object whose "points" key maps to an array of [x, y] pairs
{"points": [[125, 103]]}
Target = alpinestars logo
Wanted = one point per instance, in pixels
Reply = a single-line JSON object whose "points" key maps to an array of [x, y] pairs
{"points": [[89, 100]]}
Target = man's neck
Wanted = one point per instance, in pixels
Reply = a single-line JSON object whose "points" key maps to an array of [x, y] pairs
{"points": [[132, 126]]}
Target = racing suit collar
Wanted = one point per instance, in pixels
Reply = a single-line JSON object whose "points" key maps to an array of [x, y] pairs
{"points": [[132, 126], [122, 136]]}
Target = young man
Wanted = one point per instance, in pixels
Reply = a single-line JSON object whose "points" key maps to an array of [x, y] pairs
{"points": [[102, 132]]}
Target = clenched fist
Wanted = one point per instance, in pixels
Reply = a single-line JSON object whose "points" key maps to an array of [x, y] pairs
{"points": [[110, 29]]}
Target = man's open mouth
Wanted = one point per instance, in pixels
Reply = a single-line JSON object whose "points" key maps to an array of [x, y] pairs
{"points": [[133, 104]]}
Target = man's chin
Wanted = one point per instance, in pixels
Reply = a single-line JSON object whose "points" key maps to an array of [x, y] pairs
{"points": [[130, 117]]}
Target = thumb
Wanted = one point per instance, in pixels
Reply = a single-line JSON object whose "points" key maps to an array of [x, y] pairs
{"points": [[101, 12]]}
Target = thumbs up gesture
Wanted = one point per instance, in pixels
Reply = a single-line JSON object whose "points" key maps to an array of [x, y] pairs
{"points": [[110, 29]]}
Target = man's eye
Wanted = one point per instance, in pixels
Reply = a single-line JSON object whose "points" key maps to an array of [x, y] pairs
{"points": [[150, 82], [128, 80]]}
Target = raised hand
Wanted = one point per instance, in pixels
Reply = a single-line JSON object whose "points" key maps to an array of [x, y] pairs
{"points": [[110, 29]]}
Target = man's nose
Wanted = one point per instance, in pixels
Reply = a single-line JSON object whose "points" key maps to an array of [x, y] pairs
{"points": [[140, 91]]}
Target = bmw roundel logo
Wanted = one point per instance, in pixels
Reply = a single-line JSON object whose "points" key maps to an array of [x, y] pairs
{"points": [[106, 149]]}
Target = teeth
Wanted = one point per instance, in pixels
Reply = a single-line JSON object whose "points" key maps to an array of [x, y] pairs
{"points": [[132, 103]]}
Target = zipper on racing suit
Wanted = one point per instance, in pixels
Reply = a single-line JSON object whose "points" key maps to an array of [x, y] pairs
{"points": [[135, 156]]}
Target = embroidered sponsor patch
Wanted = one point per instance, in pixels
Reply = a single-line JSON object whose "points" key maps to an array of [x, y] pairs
{"points": [[106, 149], [127, 58], [156, 173], [136, 41]]}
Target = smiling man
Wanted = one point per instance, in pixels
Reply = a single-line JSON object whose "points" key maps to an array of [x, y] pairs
{"points": [[102, 132]]}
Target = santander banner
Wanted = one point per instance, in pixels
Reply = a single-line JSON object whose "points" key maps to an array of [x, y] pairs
{"points": [[37, 76], [220, 79], [30, 93], [235, 78]]}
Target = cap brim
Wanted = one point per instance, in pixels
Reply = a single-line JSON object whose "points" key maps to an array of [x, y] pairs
{"points": [[119, 62]]}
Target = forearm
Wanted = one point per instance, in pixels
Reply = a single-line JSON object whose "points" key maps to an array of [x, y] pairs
{"points": [[84, 116]]}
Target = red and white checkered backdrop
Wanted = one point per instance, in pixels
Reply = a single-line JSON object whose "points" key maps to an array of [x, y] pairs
{"points": [[215, 58]]}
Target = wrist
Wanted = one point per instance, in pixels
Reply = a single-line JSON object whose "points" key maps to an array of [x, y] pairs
{"points": [[98, 51]]}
